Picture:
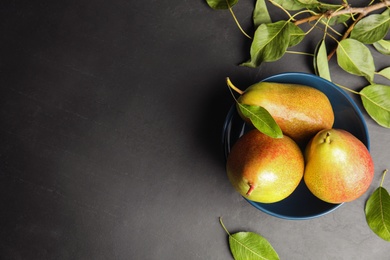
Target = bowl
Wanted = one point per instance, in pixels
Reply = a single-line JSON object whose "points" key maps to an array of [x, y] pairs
{"points": [[302, 204]]}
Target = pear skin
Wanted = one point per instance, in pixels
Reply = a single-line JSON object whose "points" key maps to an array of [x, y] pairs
{"points": [[300, 111], [265, 169], [339, 167]]}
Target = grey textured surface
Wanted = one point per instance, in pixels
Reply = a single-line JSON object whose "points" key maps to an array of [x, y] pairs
{"points": [[110, 125]]}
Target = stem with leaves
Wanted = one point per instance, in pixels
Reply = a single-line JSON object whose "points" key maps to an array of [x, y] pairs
{"points": [[363, 26], [348, 10]]}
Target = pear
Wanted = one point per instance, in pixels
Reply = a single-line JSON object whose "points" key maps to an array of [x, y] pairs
{"points": [[339, 167], [265, 169], [300, 111]]}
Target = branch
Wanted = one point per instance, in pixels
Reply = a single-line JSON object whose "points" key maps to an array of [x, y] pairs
{"points": [[348, 10], [362, 11], [346, 34]]}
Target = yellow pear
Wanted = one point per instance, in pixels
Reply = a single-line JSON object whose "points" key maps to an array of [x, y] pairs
{"points": [[339, 167], [265, 169], [300, 111]]}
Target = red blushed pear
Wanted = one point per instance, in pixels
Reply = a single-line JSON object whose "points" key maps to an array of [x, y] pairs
{"points": [[339, 167], [300, 111], [265, 169]]}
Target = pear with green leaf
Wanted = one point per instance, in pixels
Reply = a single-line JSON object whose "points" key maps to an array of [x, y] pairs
{"points": [[300, 111], [265, 169]]}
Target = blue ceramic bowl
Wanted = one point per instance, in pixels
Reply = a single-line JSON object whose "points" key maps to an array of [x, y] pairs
{"points": [[302, 204]]}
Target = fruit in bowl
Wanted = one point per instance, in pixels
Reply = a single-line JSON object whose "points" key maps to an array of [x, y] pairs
{"points": [[339, 168], [265, 169], [300, 111], [302, 203]]}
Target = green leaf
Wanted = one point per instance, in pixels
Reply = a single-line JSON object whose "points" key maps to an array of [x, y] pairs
{"points": [[323, 7], [270, 43], [355, 58], [376, 101], [385, 72], [386, 12], [378, 212], [296, 34], [321, 64], [221, 4], [310, 3], [261, 14], [383, 46], [371, 28], [250, 246], [261, 119], [291, 5], [336, 19]]}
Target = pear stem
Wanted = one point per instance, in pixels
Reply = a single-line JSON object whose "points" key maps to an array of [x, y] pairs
{"points": [[251, 188], [327, 138], [230, 84]]}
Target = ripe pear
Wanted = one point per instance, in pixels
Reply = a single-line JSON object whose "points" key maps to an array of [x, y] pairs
{"points": [[265, 169], [300, 111], [339, 167]]}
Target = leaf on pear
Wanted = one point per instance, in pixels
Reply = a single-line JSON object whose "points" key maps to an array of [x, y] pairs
{"points": [[377, 212], [321, 64], [261, 119], [270, 43], [260, 13], [376, 101], [371, 28], [383, 46], [249, 245], [385, 72], [221, 4], [355, 58]]}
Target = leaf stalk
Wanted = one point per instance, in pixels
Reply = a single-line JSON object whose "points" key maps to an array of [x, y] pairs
{"points": [[223, 226], [236, 20], [383, 177]]}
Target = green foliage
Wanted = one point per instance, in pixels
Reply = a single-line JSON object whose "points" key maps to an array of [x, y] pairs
{"points": [[383, 46], [321, 65], [378, 212], [221, 4], [261, 119], [371, 29], [261, 14], [385, 72], [355, 58], [250, 246], [271, 41], [367, 25], [291, 5], [376, 101]]}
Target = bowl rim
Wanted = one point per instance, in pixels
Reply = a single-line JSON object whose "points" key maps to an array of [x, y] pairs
{"points": [[282, 216]]}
